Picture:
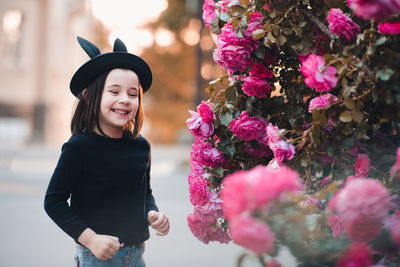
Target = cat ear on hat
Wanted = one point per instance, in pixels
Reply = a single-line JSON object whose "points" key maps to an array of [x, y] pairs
{"points": [[119, 46], [89, 48]]}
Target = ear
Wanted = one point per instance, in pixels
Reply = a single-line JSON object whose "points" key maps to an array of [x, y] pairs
{"points": [[119, 46], [89, 48]]}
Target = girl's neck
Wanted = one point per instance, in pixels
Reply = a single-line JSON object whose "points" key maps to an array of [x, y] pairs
{"points": [[112, 133]]}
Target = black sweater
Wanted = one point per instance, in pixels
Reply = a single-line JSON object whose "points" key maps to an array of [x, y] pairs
{"points": [[108, 181]]}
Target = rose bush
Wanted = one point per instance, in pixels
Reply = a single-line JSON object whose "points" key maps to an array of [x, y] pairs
{"points": [[299, 144]]}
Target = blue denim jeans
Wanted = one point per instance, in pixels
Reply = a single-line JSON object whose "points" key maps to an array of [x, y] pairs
{"points": [[126, 256]]}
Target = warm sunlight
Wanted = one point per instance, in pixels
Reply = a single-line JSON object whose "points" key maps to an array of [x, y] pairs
{"points": [[126, 17]]}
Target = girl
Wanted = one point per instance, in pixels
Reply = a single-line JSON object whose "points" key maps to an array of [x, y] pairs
{"points": [[105, 166]]}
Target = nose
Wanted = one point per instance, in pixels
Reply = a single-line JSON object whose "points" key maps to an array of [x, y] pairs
{"points": [[124, 99]]}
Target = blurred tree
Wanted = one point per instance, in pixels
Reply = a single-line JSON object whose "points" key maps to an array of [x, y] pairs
{"points": [[176, 59]]}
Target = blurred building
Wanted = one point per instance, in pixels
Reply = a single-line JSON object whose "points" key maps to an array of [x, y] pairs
{"points": [[39, 54]]}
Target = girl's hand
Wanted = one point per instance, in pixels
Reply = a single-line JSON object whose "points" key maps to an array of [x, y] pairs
{"points": [[104, 247], [159, 221]]}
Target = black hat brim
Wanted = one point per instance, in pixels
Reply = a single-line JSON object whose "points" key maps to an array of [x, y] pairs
{"points": [[89, 71]]}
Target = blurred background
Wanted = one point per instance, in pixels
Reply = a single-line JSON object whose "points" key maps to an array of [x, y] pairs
{"points": [[39, 54]]}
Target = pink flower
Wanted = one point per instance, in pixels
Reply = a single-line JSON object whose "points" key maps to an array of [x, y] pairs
{"points": [[357, 255], [261, 151], [224, 5], [326, 180], [273, 133], [341, 24], [389, 27], [251, 234], [199, 193], [212, 209], [205, 112], [362, 165], [206, 155], [205, 231], [282, 151], [393, 224], [316, 77], [362, 205], [209, 12], [256, 87], [374, 9], [273, 262], [248, 190], [336, 224], [322, 101], [248, 128], [398, 157], [255, 84], [352, 177], [198, 127], [233, 52], [255, 22], [269, 183]]}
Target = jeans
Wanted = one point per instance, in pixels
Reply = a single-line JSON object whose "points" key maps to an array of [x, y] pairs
{"points": [[126, 256]]}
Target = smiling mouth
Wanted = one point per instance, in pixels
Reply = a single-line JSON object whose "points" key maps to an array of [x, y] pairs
{"points": [[120, 111]]}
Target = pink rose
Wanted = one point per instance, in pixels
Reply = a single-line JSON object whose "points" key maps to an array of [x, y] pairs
{"points": [[209, 12], [248, 128], [336, 224], [212, 209], [224, 5], [273, 262], [357, 255], [374, 9], [326, 180], [256, 87], [198, 127], [206, 155], [255, 84], [396, 167], [273, 133], [205, 112], [362, 165], [251, 234], [389, 27], [199, 193], [233, 52], [206, 231], [341, 24], [315, 76], [362, 205], [282, 151], [255, 23], [248, 190], [322, 101], [393, 224]]}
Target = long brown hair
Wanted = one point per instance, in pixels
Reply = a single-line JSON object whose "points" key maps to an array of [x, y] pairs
{"points": [[87, 111]]}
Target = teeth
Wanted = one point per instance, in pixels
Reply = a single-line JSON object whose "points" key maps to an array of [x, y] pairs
{"points": [[120, 111]]}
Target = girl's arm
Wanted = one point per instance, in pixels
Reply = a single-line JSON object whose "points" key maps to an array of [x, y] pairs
{"points": [[62, 182]]}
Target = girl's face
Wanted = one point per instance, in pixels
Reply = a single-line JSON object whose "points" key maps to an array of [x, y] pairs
{"points": [[119, 101]]}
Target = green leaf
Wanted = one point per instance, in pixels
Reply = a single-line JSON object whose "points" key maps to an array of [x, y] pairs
{"points": [[226, 118], [224, 17], [215, 26], [345, 116], [380, 41], [231, 150], [230, 93], [384, 74]]}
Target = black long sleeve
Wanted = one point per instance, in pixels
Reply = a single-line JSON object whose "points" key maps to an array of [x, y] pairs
{"points": [[108, 183]]}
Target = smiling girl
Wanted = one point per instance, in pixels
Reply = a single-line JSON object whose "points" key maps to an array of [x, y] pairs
{"points": [[104, 168]]}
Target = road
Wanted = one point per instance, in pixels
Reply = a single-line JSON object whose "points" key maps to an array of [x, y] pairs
{"points": [[30, 238]]}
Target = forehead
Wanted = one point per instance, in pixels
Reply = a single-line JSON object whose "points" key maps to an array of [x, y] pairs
{"points": [[122, 77]]}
